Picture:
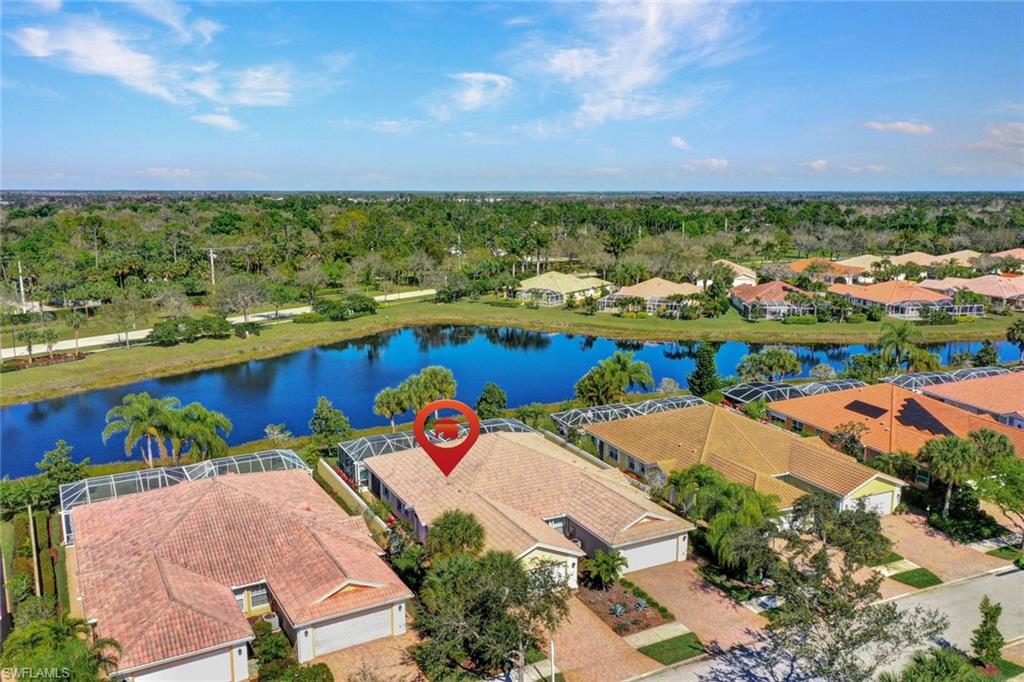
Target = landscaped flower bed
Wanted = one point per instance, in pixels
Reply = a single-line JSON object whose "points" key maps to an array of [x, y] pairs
{"points": [[622, 610], [41, 361]]}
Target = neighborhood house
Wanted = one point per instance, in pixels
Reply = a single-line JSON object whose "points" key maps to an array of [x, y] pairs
{"points": [[901, 299], [555, 288], [771, 301], [1000, 396], [654, 294]]}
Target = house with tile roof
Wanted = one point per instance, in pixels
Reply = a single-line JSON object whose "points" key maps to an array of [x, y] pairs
{"points": [[534, 499], [1008, 291], [741, 274], [752, 453], [555, 288], [771, 298], [925, 260], [174, 574], [825, 270], [864, 262], [1000, 396], [964, 257], [654, 292], [901, 299], [895, 419], [1017, 253]]}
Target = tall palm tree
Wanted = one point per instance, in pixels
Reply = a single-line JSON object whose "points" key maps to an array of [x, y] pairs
{"points": [[992, 446], [198, 430], [1015, 335], [414, 393], [75, 321], [628, 372], [598, 387], [438, 383], [389, 403], [27, 338], [64, 639], [141, 416], [952, 460], [898, 342]]}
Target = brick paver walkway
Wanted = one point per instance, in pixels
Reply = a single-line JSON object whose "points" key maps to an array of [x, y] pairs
{"points": [[387, 659], [698, 605], [586, 649], [915, 540]]}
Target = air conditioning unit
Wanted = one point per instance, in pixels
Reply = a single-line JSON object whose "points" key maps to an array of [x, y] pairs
{"points": [[275, 622]]}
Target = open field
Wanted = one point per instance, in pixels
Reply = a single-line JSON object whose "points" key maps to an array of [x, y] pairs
{"points": [[115, 367]]}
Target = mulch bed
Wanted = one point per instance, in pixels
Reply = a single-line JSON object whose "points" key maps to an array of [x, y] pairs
{"points": [[600, 602], [43, 360]]}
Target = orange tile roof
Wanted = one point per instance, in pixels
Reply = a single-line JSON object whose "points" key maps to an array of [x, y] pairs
{"points": [[897, 419], [656, 287], [892, 292], [1000, 394], [831, 267], [1017, 253], [767, 292], [512, 481], [745, 451], [156, 569]]}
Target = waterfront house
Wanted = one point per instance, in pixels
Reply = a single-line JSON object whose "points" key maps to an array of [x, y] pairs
{"points": [[534, 499], [901, 299], [555, 288], [1008, 291], [654, 292], [1000, 396], [824, 270], [741, 274], [774, 299]]}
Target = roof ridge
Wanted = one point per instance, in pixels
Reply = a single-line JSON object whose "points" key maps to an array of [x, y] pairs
{"points": [[180, 602], [169, 528]]}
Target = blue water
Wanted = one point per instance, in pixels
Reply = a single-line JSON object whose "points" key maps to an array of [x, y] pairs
{"points": [[529, 366]]}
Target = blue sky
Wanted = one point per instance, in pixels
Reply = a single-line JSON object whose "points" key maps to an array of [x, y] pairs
{"points": [[513, 96]]}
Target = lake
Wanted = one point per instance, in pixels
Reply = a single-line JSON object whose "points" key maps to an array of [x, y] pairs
{"points": [[529, 366]]}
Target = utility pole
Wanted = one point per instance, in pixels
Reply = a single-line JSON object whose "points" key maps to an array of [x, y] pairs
{"points": [[21, 286], [213, 275]]}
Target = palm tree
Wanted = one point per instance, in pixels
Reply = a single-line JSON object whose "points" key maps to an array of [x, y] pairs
{"points": [[921, 360], [414, 392], [598, 387], [142, 416], [27, 338], [75, 321], [438, 383], [198, 430], [628, 372], [952, 460], [938, 663], [993, 446], [1015, 335], [66, 639], [604, 568], [699, 491], [49, 337], [454, 532], [389, 403], [898, 342]]}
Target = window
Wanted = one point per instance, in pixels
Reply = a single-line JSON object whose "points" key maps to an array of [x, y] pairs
{"points": [[613, 454], [797, 426], [240, 598], [921, 476], [558, 524], [631, 464], [258, 596]]}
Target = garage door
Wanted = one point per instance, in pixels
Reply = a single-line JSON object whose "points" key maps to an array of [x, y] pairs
{"points": [[880, 503], [351, 631], [651, 554]]}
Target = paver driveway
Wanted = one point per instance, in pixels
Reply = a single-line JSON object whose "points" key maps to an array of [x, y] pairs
{"points": [[587, 650], [917, 541], [700, 606], [388, 659]]}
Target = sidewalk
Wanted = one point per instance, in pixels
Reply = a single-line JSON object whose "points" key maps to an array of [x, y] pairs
{"points": [[140, 334]]}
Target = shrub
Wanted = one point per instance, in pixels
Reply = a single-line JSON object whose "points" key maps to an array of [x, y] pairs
{"points": [[967, 530], [42, 522], [47, 579], [620, 628], [505, 303], [272, 647], [34, 609], [965, 319], [175, 330], [856, 318], [244, 330], [876, 313], [276, 670], [22, 541], [21, 586], [10, 367], [24, 565], [288, 670], [800, 319], [214, 327], [63, 595], [261, 628], [634, 314], [640, 606], [309, 318], [617, 609]]}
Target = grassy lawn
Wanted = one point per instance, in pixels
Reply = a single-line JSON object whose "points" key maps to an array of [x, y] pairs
{"points": [[7, 545], [673, 650], [1008, 670], [889, 557], [1008, 553], [918, 577], [111, 368]]}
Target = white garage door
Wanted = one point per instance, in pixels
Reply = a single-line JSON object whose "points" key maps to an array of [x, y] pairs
{"points": [[880, 503], [352, 631], [653, 553]]}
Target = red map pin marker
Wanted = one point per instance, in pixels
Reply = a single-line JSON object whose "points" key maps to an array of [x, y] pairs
{"points": [[446, 457]]}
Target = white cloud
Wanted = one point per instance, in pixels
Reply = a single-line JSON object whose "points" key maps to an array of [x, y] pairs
{"points": [[679, 143], [206, 29], [709, 164], [174, 16], [93, 48], [263, 86], [1001, 137], [905, 127], [223, 121], [870, 168], [818, 165], [627, 52], [478, 89]]}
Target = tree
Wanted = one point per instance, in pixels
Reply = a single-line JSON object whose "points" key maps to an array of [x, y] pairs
{"points": [[58, 467], [389, 403], [609, 380], [1003, 486], [492, 401], [704, 378], [769, 365], [277, 434], [310, 280], [66, 644], [454, 532], [198, 432], [126, 309], [986, 640], [856, 532], [987, 355], [329, 424], [952, 460], [437, 383], [481, 614], [1015, 335], [142, 416], [27, 338], [937, 664], [240, 292], [846, 439], [531, 414], [897, 342], [49, 336], [75, 321], [823, 370], [603, 569]]}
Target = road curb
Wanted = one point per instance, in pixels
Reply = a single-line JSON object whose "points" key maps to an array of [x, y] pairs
{"points": [[1002, 570]]}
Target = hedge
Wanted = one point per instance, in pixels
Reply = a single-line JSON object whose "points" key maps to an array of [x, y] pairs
{"points": [[22, 540], [856, 318], [24, 564], [63, 594], [42, 520], [47, 578], [309, 318], [800, 319]]}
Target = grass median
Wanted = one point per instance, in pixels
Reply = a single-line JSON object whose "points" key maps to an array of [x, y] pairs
{"points": [[120, 366]]}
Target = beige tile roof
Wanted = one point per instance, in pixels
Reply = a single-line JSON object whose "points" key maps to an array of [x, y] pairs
{"points": [[897, 419], [656, 287], [864, 262], [156, 569], [736, 268], [919, 257], [991, 286], [562, 283], [1017, 253], [768, 292], [513, 481], [741, 449], [892, 292], [1000, 394], [963, 257]]}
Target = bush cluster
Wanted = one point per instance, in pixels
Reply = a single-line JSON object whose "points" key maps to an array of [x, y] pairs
{"points": [[856, 318], [309, 318], [800, 319], [175, 330], [349, 306]]}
